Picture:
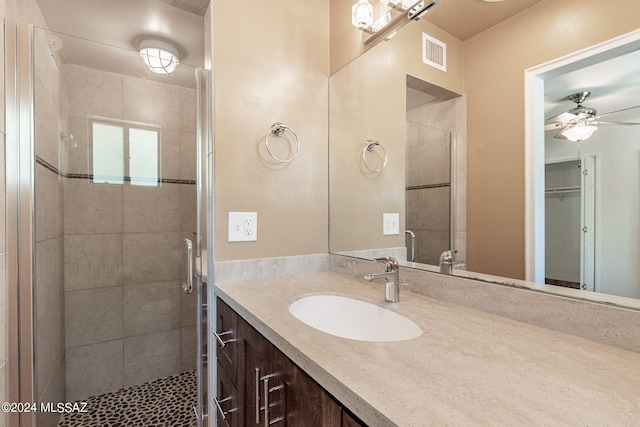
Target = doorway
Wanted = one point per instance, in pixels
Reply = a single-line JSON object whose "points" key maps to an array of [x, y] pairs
{"points": [[570, 228]]}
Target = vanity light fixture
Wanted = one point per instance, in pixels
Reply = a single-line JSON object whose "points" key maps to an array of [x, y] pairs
{"points": [[161, 57], [580, 132], [362, 14]]}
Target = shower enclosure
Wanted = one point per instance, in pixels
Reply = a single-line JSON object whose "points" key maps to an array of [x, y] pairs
{"points": [[428, 192], [103, 193]]}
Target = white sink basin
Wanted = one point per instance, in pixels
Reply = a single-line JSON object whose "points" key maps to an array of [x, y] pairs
{"points": [[354, 319]]}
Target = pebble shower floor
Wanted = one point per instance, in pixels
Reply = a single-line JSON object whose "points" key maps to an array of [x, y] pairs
{"points": [[167, 402]]}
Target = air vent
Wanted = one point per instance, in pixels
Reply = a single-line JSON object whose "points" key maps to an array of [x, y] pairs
{"points": [[434, 52]]}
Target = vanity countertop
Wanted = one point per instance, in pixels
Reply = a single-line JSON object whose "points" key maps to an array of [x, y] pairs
{"points": [[467, 368]]}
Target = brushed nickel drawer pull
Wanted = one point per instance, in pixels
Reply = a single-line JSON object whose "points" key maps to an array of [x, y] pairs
{"points": [[223, 413], [221, 341]]}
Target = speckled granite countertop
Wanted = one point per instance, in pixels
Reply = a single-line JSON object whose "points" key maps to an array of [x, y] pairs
{"points": [[468, 368]]}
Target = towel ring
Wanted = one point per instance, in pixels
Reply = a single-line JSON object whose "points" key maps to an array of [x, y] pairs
{"points": [[369, 145], [278, 129]]}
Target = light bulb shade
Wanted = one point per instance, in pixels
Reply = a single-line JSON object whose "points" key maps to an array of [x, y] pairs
{"points": [[381, 22], [362, 14], [160, 57], [580, 132]]}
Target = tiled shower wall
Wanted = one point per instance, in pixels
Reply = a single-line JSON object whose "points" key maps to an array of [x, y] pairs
{"points": [[127, 319], [451, 116], [428, 190], [49, 232]]}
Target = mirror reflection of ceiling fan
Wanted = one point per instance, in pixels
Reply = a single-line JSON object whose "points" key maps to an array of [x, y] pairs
{"points": [[580, 122]]}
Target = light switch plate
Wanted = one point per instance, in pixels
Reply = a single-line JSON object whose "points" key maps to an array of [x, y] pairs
{"points": [[243, 226], [390, 223]]}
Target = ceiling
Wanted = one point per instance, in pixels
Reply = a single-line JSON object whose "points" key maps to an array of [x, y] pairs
{"points": [[464, 19], [614, 85], [119, 25]]}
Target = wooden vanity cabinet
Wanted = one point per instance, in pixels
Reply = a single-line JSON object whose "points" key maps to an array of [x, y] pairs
{"points": [[265, 375]]}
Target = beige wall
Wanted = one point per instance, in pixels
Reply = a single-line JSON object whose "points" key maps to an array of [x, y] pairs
{"points": [[367, 101], [271, 65], [494, 64]]}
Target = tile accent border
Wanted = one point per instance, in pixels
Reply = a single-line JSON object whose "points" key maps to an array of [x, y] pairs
{"points": [[427, 186], [50, 167]]}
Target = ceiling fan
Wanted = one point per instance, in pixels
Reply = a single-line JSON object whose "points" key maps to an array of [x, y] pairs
{"points": [[580, 122]]}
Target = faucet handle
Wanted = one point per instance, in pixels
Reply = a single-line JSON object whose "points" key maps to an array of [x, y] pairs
{"points": [[447, 256], [391, 264]]}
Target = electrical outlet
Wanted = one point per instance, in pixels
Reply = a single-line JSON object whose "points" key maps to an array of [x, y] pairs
{"points": [[243, 227], [390, 223]]}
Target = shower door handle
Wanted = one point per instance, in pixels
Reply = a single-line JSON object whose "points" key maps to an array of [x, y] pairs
{"points": [[188, 285]]}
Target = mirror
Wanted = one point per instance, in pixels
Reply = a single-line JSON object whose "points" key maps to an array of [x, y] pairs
{"points": [[368, 102]]}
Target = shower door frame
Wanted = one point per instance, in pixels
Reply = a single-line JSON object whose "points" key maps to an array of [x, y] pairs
{"points": [[19, 113]]}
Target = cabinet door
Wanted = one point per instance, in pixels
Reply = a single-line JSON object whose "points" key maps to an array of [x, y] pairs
{"points": [[264, 390], [227, 340], [307, 404], [349, 421], [228, 402]]}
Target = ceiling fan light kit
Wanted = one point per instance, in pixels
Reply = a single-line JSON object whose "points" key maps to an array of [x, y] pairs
{"points": [[579, 123]]}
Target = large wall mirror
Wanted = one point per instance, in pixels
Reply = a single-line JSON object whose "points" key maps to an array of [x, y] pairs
{"points": [[421, 120]]}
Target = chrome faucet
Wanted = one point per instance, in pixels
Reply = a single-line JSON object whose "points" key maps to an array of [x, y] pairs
{"points": [[391, 274], [446, 261]]}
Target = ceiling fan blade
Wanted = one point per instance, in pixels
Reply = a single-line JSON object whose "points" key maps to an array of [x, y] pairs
{"points": [[597, 122], [559, 135], [617, 111], [552, 126], [563, 118]]}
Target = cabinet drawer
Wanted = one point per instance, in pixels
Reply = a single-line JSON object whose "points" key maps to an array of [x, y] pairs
{"points": [[227, 340], [229, 402]]}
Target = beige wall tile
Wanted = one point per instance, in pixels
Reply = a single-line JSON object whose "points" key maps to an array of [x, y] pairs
{"points": [[93, 261], [93, 316], [50, 345], [151, 356], [187, 155], [77, 153], [47, 121], [152, 257], [94, 369], [49, 279], [170, 146], [150, 102], [151, 209], [187, 309], [92, 208], [188, 208], [48, 204], [54, 392], [151, 307], [88, 92], [188, 348], [188, 110]]}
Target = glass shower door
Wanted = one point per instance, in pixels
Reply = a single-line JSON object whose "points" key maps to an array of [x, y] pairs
{"points": [[111, 151]]}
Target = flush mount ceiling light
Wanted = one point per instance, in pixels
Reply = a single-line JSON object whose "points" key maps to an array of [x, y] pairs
{"points": [[161, 57]]}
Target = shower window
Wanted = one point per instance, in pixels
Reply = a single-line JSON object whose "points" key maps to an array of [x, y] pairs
{"points": [[124, 153]]}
